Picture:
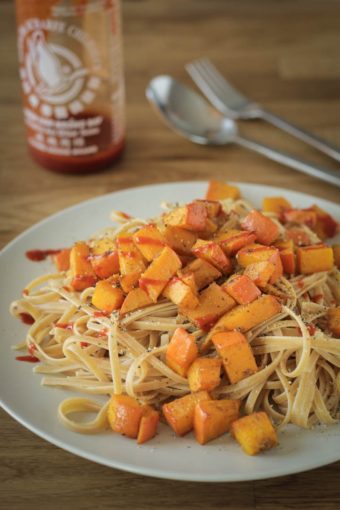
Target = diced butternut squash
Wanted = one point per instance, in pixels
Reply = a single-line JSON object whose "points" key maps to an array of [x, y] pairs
{"points": [[159, 272], [213, 207], [300, 216], [124, 415], [287, 255], [191, 217], [129, 281], [298, 236], [336, 255], [213, 302], [149, 241], [106, 264], [179, 239], [254, 433], [259, 253], [219, 190], [103, 245], [233, 240], [180, 293], [81, 268], [180, 412], [213, 418], [260, 272], [237, 356], [265, 229], [62, 260], [136, 299], [326, 226], [275, 205], [148, 424], [315, 258], [245, 317], [204, 273], [242, 289], [130, 258], [181, 351], [212, 253], [204, 374], [333, 321], [106, 297]]}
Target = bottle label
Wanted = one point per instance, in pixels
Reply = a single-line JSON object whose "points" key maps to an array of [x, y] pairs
{"points": [[61, 70]]}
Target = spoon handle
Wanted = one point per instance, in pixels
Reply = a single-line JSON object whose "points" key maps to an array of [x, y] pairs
{"points": [[331, 176]]}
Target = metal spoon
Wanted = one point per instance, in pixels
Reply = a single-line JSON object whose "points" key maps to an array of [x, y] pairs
{"points": [[191, 116]]}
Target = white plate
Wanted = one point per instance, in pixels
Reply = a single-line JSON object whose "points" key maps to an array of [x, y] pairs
{"points": [[165, 456]]}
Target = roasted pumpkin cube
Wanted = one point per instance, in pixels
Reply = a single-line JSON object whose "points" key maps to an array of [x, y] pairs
{"points": [[62, 260], [180, 293], [298, 235], [233, 240], [333, 321], [315, 258], [241, 288], [260, 272], [204, 273], [275, 205], [81, 268], [254, 433], [213, 418], [259, 253], [219, 190], [204, 374], [191, 217], [149, 241], [181, 351], [106, 297], [265, 229], [124, 414], [129, 281], [336, 255], [213, 302], [180, 412], [130, 258], [136, 299], [179, 239], [103, 245], [325, 226], [106, 264], [300, 216], [148, 424], [212, 253], [213, 207], [159, 272], [237, 356]]}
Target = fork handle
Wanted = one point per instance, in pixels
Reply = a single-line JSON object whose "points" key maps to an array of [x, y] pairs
{"points": [[324, 174], [314, 141]]}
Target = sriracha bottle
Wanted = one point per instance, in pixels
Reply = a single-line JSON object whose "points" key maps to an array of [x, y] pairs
{"points": [[71, 70]]}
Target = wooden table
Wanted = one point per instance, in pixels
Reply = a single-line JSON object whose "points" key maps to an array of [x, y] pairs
{"points": [[286, 56]]}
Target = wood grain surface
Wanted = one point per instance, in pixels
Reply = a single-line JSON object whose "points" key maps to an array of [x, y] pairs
{"points": [[284, 55]]}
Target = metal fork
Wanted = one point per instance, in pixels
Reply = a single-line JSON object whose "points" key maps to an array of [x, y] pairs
{"points": [[233, 104]]}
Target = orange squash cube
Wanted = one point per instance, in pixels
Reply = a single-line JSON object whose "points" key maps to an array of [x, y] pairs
{"points": [[136, 299], [159, 272], [326, 226], [62, 260], [105, 265], [237, 356], [191, 217], [315, 258], [180, 293], [233, 240], [333, 321], [81, 268], [204, 273], [242, 289], [300, 216], [103, 245], [130, 258], [219, 190], [179, 239], [298, 236], [265, 229], [213, 207], [275, 205], [259, 253], [260, 272], [149, 241], [124, 414], [181, 351], [213, 418], [212, 253], [148, 424], [213, 302], [204, 374], [106, 297], [180, 412], [336, 255], [129, 281], [254, 433]]}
